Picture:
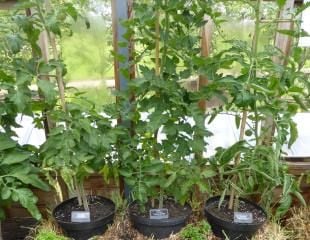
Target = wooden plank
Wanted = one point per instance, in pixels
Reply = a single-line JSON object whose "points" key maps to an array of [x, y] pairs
{"points": [[284, 42], [17, 228], [298, 168], [95, 185], [6, 5]]}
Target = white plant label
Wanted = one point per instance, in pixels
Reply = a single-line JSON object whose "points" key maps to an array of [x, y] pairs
{"points": [[159, 213], [80, 216], [243, 217]]}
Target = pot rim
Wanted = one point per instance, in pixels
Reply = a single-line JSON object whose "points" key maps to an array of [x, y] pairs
{"points": [[159, 222], [84, 223], [215, 198]]}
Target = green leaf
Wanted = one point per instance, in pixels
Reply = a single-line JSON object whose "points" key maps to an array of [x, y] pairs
{"points": [[300, 102], [28, 200], [197, 144], [300, 197], [293, 133], [237, 121], [48, 90], [16, 157], [281, 3], [23, 78], [260, 88], [53, 25], [303, 7], [150, 182], [20, 100], [170, 180], [231, 152], [5, 193], [105, 171], [296, 89], [294, 33], [251, 182], [2, 214], [33, 180], [153, 168], [88, 169], [254, 167], [14, 43], [70, 9], [85, 124], [202, 187], [208, 173], [285, 205], [125, 172], [6, 142]]}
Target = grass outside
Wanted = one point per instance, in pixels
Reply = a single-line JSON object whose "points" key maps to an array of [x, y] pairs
{"points": [[87, 53], [99, 95]]}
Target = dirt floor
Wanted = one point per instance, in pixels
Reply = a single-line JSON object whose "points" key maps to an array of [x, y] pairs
{"points": [[295, 227]]}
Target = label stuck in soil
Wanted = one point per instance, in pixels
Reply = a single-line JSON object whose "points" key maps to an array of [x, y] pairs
{"points": [[80, 216], [243, 217], [159, 213]]}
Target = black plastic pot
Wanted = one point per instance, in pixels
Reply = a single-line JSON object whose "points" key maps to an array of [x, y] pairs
{"points": [[232, 230], [160, 228], [84, 231]]}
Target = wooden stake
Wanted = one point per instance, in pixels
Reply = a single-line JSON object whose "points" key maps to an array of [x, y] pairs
{"points": [[284, 43], [206, 38]]}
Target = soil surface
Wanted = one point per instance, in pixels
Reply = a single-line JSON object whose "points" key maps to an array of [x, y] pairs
{"points": [[174, 209], [227, 214], [98, 207]]}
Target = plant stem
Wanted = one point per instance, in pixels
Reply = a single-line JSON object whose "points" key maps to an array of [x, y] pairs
{"points": [[83, 195], [59, 190], [252, 75], [78, 190], [161, 198], [237, 159]]}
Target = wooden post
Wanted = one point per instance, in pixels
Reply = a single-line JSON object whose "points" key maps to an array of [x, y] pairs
{"points": [[122, 10], [284, 43]]}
